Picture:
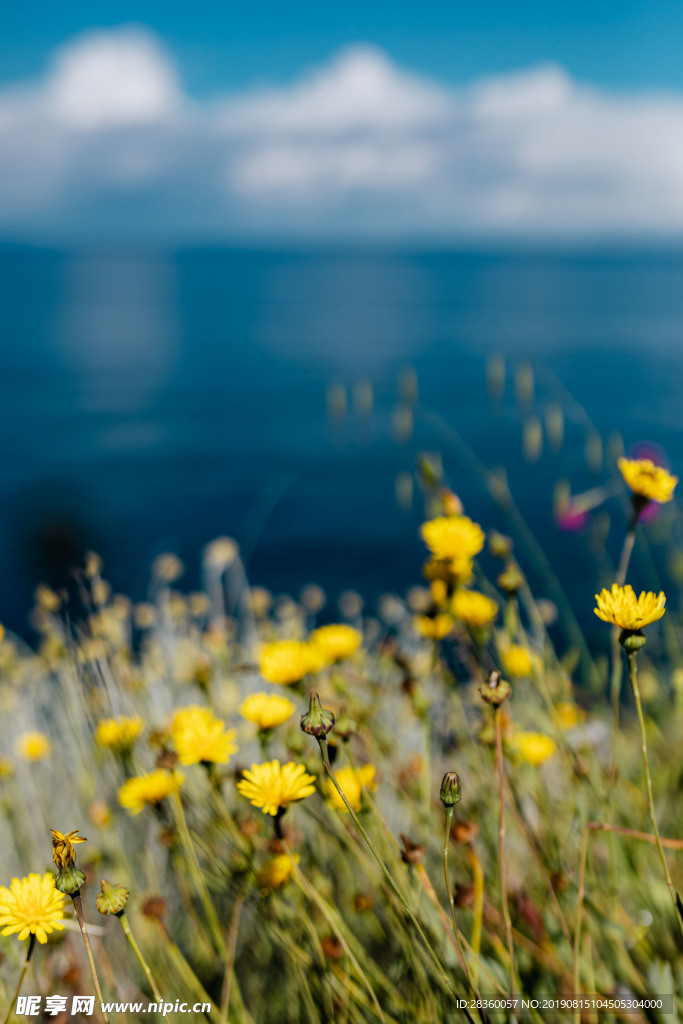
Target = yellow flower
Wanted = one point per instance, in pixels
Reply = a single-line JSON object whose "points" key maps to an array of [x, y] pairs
{"points": [[621, 607], [33, 746], [453, 537], [63, 853], [517, 662], [272, 787], [119, 734], [352, 782], [437, 626], [336, 642], [285, 661], [152, 788], [568, 715], [474, 608], [276, 871], [31, 906], [267, 711], [647, 480], [533, 747], [199, 736]]}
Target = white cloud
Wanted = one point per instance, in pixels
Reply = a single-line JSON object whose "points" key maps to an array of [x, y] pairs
{"points": [[108, 141]]}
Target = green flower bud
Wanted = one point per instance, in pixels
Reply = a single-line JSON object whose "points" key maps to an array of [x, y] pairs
{"points": [[70, 880], [317, 721], [495, 690], [511, 579], [631, 641], [451, 790], [112, 899], [499, 545]]}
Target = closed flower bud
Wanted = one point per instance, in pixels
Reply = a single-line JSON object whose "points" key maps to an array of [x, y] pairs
{"points": [[112, 899], [317, 721], [451, 790], [511, 579], [70, 880], [499, 545], [495, 690]]}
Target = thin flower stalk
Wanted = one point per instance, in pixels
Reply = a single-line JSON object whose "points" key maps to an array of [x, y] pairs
{"points": [[501, 846], [322, 742], [633, 675], [24, 969], [138, 953], [78, 907], [197, 877]]}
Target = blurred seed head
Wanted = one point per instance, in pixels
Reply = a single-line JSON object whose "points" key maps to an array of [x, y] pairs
{"points": [[495, 376], [402, 423], [407, 386], [363, 397], [350, 604], [336, 401], [313, 598], [554, 426], [221, 553], [167, 568], [532, 439], [524, 384]]}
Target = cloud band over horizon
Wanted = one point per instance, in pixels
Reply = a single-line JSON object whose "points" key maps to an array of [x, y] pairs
{"points": [[108, 143]]}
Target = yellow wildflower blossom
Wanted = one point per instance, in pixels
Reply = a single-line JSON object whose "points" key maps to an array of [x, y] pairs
{"points": [[622, 608], [63, 853], [31, 906], [267, 711], [285, 661], [453, 537], [568, 715], [119, 734], [474, 608], [436, 627], [33, 746], [336, 641], [272, 786], [533, 747], [277, 871], [352, 782], [654, 483], [200, 737], [143, 790], [517, 662]]}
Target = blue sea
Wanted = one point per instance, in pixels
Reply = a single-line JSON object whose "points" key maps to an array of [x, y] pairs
{"points": [[152, 401]]}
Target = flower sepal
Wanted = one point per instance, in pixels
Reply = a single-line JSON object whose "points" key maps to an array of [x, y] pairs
{"points": [[112, 899], [632, 640], [70, 880]]}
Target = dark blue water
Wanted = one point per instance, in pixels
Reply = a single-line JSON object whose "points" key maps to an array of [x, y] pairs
{"points": [[153, 401]]}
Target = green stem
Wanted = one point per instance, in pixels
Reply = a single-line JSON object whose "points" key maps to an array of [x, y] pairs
{"points": [[141, 960], [78, 907], [312, 893], [322, 742], [197, 877], [579, 912], [615, 685], [633, 674], [501, 847], [27, 961], [456, 932]]}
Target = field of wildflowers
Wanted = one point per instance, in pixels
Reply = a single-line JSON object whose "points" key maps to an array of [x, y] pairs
{"points": [[375, 819]]}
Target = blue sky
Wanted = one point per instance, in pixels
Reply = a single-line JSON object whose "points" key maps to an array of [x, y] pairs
{"points": [[624, 45], [362, 120]]}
